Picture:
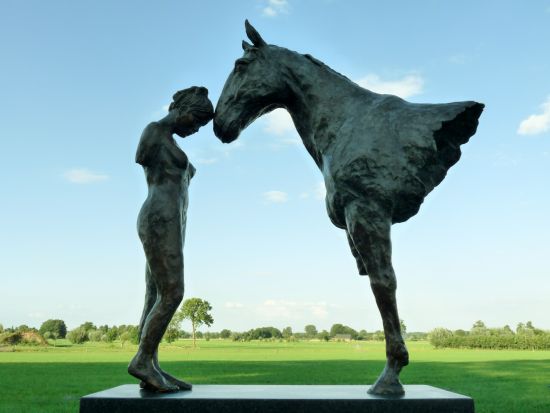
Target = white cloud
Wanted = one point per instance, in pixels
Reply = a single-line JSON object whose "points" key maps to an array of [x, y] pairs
{"points": [[274, 7], [318, 193], [535, 124], [160, 113], [405, 87], [38, 315], [278, 122], [84, 176], [296, 310], [227, 148], [320, 190], [233, 305], [207, 161], [276, 197], [269, 11]]}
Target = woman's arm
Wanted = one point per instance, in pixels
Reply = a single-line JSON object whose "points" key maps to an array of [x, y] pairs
{"points": [[148, 146]]}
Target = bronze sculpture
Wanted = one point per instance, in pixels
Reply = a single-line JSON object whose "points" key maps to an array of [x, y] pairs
{"points": [[380, 156], [161, 228]]}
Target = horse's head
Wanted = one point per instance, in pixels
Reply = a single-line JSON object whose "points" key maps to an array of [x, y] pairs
{"points": [[254, 87]]}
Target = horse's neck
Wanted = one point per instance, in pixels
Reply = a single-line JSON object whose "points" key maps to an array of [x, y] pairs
{"points": [[314, 103]]}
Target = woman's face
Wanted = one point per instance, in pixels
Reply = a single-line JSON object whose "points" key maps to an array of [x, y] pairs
{"points": [[185, 125]]}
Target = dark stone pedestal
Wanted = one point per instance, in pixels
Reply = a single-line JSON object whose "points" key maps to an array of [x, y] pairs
{"points": [[274, 399]]}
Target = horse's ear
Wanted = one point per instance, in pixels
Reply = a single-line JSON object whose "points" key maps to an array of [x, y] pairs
{"points": [[253, 35], [247, 46]]}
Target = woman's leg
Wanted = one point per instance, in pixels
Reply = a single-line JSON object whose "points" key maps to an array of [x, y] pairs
{"points": [[150, 297], [165, 262]]}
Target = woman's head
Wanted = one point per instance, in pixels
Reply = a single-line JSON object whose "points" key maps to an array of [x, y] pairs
{"points": [[194, 109]]}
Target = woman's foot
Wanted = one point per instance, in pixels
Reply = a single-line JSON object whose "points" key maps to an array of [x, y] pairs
{"points": [[182, 385], [143, 369]]}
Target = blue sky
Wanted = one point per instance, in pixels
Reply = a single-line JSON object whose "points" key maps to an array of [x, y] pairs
{"points": [[80, 80]]}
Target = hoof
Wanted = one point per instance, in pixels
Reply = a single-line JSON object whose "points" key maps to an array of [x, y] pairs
{"points": [[388, 383], [387, 389]]}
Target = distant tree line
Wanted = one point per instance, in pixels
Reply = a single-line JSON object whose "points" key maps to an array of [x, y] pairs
{"points": [[193, 309], [525, 337], [338, 332], [20, 335], [89, 332], [56, 329]]}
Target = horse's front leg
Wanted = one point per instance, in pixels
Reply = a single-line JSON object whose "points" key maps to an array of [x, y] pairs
{"points": [[369, 229]]}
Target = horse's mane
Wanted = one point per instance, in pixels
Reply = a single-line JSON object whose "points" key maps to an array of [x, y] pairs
{"points": [[317, 62]]}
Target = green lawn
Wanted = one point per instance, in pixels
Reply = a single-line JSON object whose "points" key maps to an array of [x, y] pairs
{"points": [[53, 379]]}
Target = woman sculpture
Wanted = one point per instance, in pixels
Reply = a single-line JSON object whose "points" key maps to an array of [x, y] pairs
{"points": [[161, 227]]}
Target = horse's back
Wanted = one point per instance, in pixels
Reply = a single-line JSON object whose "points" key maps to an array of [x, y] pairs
{"points": [[396, 152]]}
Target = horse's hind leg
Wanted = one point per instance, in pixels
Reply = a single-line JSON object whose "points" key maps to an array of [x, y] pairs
{"points": [[360, 264], [369, 229]]}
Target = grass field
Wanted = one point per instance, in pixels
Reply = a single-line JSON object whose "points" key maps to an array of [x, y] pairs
{"points": [[53, 379]]}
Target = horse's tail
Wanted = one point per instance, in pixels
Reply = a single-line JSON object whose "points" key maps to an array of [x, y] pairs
{"points": [[456, 132], [459, 124]]}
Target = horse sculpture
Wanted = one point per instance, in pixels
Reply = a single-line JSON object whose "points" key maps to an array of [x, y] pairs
{"points": [[379, 155]]}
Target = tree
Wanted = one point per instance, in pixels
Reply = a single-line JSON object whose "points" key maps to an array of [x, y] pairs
{"points": [[310, 330], [128, 333], [87, 326], [56, 328], [225, 333], [78, 335], [173, 330], [96, 335], [111, 334], [336, 329], [13, 338], [479, 328], [104, 328], [362, 335], [1, 328], [324, 335], [262, 333], [342, 329], [403, 328], [439, 337], [124, 337], [378, 335], [287, 332], [197, 311]]}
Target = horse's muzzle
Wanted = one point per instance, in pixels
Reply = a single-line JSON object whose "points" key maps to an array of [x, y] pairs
{"points": [[225, 133]]}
